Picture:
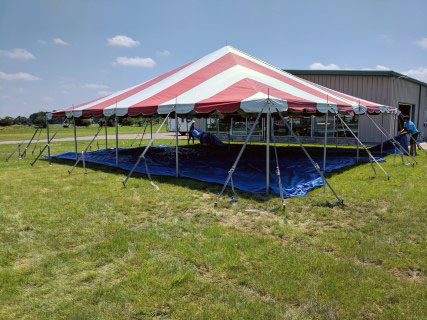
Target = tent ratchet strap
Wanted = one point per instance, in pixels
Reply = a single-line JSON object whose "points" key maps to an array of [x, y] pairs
{"points": [[233, 168], [48, 143], [315, 165], [85, 150], [279, 179], [18, 147], [393, 141], [366, 149], [145, 151]]}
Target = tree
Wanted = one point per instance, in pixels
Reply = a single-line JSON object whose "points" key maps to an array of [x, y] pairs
{"points": [[7, 121], [38, 119], [21, 120]]}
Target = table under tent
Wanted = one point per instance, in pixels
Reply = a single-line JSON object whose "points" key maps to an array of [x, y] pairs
{"points": [[230, 83]]}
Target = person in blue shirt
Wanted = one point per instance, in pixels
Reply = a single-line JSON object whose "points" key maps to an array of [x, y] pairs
{"points": [[410, 129]]}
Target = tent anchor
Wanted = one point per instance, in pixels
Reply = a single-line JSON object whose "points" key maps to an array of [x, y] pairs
{"points": [[315, 165], [230, 173], [142, 156], [366, 149], [85, 150], [48, 142], [18, 147]]}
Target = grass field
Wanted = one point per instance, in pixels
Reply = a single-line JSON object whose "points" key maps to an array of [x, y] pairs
{"points": [[18, 132], [81, 246]]}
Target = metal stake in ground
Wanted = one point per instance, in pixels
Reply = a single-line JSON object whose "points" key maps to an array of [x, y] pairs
{"points": [[366, 149], [144, 152], [233, 168], [315, 165]]}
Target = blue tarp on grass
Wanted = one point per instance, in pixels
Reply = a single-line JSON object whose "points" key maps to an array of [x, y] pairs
{"points": [[211, 164]]}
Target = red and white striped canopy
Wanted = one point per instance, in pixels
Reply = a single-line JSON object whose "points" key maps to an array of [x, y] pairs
{"points": [[225, 81]]}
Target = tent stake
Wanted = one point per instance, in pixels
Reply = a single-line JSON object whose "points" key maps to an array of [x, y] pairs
{"points": [[366, 149], [85, 150], [143, 154], [233, 168], [394, 141], [315, 165], [48, 142]]}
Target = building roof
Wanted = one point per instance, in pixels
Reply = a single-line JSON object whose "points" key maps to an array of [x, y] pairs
{"points": [[382, 73]]}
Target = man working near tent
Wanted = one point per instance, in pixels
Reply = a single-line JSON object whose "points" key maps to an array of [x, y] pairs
{"points": [[409, 128], [190, 132]]}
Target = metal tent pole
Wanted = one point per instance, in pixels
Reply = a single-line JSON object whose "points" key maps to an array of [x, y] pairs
{"points": [[47, 134], [233, 168], [267, 153], [366, 149], [382, 125], [29, 143], [142, 156], [117, 140], [176, 145], [394, 141], [151, 127], [106, 134], [335, 133], [48, 142], [358, 130], [324, 149], [75, 136], [315, 165]]}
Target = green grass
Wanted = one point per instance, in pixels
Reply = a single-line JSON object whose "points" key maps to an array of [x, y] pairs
{"points": [[81, 246], [19, 133]]}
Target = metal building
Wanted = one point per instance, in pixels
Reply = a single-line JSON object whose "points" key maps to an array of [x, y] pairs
{"points": [[385, 87]]}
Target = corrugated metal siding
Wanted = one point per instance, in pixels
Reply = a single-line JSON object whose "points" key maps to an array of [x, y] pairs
{"points": [[201, 124]]}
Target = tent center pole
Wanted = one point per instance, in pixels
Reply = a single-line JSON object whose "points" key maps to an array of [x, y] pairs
{"points": [[382, 125], [267, 153], [324, 150], [117, 141], [47, 134], [358, 130], [176, 145], [75, 136], [106, 134]]}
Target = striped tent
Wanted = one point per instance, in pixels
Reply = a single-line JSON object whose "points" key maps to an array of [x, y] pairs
{"points": [[226, 81]]}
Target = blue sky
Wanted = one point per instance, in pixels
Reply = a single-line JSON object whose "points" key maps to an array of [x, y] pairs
{"points": [[59, 52]]}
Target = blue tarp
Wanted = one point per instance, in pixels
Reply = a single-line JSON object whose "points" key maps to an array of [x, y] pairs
{"points": [[388, 147], [211, 164]]}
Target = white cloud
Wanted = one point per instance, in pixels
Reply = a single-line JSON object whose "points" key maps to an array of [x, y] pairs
{"points": [[59, 42], [18, 76], [321, 66], [122, 41], [163, 53], [47, 99], [94, 86], [104, 92], [422, 43], [17, 53], [134, 62], [419, 73]]}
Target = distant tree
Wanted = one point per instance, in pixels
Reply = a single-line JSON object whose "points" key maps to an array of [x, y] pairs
{"points": [[21, 120], [7, 121], [38, 119], [82, 122]]}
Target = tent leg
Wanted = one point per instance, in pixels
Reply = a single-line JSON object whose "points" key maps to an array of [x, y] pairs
{"points": [[358, 130], [14, 151], [143, 154], [48, 142], [335, 133], [47, 134], [366, 149], [267, 154], [106, 134], [230, 173], [151, 127], [324, 150], [394, 141], [117, 140], [315, 165], [382, 125], [176, 145], [29, 143], [75, 136], [85, 150]]}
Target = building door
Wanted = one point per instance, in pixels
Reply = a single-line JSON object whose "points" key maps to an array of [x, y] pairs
{"points": [[406, 110]]}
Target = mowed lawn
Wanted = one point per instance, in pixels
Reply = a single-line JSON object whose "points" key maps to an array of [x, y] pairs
{"points": [[81, 246]]}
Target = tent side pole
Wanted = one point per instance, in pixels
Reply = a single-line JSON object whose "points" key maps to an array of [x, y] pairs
{"points": [[47, 135], [48, 142], [358, 131], [75, 136], [106, 134], [382, 125], [366, 149], [315, 165], [151, 127], [117, 140], [29, 143], [142, 156], [267, 153], [324, 149], [176, 145]]}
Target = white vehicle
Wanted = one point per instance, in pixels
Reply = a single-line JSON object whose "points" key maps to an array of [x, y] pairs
{"points": [[184, 125]]}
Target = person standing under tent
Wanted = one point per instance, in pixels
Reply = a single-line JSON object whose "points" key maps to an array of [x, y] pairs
{"points": [[410, 129], [190, 132]]}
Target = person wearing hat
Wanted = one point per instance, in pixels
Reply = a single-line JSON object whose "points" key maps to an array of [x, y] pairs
{"points": [[190, 132], [410, 129]]}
